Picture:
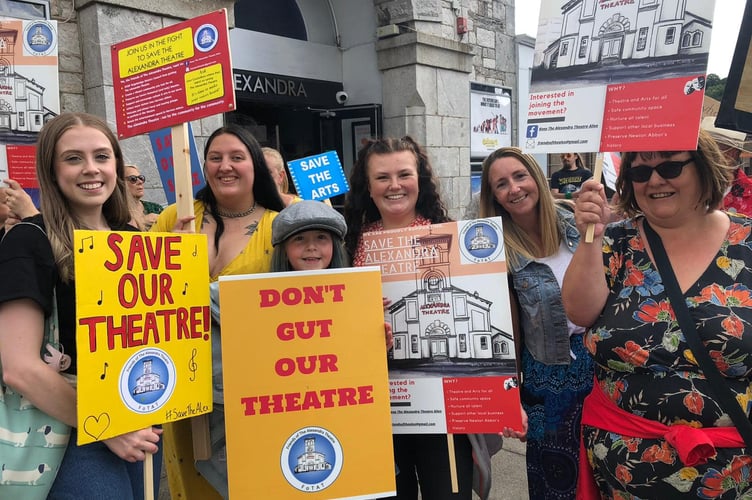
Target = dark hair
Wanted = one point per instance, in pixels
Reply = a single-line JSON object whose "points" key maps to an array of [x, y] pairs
{"points": [[281, 263], [360, 208], [265, 191], [714, 174]]}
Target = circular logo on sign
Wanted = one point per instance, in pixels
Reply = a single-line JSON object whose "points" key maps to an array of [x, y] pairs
{"points": [[481, 241], [147, 380], [39, 38], [311, 459], [206, 37]]}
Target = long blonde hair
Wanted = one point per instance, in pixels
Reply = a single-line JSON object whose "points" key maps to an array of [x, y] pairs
{"points": [[517, 242], [59, 219]]}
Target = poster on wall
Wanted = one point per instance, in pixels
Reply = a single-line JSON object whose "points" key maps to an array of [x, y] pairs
{"points": [[452, 368], [29, 95], [617, 76], [490, 119]]}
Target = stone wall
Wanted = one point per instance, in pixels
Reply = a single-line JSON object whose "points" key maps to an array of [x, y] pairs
{"points": [[427, 69]]}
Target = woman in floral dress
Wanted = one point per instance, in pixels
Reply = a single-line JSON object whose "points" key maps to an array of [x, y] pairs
{"points": [[645, 371]]}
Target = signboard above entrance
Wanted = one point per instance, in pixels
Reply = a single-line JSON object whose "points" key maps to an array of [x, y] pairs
{"points": [[283, 89]]}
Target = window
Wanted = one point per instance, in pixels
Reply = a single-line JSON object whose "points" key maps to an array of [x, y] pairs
{"points": [[21, 119], [397, 344], [484, 343], [642, 39], [697, 39], [434, 282], [463, 342], [414, 344], [26, 9], [670, 36], [583, 47], [564, 48]]}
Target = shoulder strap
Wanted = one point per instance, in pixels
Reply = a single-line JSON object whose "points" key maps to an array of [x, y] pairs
{"points": [[718, 383]]}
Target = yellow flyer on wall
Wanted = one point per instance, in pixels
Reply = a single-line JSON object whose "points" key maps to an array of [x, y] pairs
{"points": [[143, 330], [452, 369], [305, 385]]}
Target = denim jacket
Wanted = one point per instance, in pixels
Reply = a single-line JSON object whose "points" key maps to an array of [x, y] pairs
{"points": [[542, 318]]}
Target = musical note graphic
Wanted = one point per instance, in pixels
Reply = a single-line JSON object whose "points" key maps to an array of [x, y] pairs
{"points": [[104, 373], [91, 245], [101, 298], [195, 250], [192, 366], [185, 289]]}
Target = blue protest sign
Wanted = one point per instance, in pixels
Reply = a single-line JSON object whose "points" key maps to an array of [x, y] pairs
{"points": [[318, 177], [161, 144]]}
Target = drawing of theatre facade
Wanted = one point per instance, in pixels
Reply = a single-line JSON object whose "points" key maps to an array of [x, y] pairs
{"points": [[441, 321], [611, 31]]}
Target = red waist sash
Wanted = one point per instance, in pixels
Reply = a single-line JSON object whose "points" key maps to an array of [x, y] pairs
{"points": [[694, 446]]}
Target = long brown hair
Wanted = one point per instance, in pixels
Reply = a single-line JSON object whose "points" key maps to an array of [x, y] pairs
{"points": [[59, 219], [517, 242]]}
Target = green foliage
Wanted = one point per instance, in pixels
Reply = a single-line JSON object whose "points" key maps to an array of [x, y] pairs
{"points": [[715, 86]]}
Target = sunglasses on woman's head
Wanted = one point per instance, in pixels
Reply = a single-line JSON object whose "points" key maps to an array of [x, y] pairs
{"points": [[667, 170], [133, 179]]}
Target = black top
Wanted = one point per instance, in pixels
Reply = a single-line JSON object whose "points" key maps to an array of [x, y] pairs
{"points": [[28, 271]]}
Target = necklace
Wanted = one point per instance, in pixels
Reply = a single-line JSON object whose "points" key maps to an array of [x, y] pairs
{"points": [[236, 215]]}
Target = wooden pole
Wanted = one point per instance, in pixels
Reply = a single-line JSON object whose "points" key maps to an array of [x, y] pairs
{"points": [[149, 477], [452, 463], [597, 172]]}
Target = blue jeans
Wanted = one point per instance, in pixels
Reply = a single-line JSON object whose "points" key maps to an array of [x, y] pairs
{"points": [[93, 472]]}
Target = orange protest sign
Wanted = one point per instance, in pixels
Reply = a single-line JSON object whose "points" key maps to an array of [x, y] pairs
{"points": [[305, 385]]}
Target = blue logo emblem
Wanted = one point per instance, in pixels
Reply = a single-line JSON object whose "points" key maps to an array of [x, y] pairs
{"points": [[147, 380], [311, 459], [206, 37], [532, 131], [481, 240], [39, 38]]}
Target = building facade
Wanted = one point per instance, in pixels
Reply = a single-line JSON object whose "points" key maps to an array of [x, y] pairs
{"points": [[311, 75]]}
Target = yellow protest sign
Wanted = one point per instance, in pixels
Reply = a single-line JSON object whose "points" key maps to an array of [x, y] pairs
{"points": [[143, 330], [306, 389]]}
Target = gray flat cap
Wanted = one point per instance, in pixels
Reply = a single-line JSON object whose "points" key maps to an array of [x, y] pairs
{"points": [[305, 215]]}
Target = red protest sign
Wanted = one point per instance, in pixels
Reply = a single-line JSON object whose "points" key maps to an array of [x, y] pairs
{"points": [[173, 75]]}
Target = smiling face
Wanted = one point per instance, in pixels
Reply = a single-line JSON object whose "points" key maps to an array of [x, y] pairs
{"points": [[393, 187], [668, 200], [513, 187], [85, 168], [309, 250], [229, 169]]}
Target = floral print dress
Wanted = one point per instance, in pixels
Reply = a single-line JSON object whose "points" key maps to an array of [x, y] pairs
{"points": [[645, 366]]}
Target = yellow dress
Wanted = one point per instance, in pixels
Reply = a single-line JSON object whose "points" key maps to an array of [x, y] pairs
{"points": [[185, 481]]}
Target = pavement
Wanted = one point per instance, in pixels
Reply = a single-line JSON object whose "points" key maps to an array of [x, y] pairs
{"points": [[509, 475]]}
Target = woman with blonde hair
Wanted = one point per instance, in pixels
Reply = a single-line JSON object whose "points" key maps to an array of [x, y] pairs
{"points": [[557, 374]]}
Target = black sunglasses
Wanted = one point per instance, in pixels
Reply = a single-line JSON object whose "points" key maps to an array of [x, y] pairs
{"points": [[667, 170], [133, 179]]}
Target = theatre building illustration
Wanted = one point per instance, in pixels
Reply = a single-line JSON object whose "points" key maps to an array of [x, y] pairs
{"points": [[598, 32], [442, 321]]}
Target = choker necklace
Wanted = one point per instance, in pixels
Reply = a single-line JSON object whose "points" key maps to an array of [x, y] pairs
{"points": [[236, 215]]}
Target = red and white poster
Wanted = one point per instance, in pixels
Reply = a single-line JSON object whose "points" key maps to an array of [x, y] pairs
{"points": [[618, 75], [173, 75], [452, 368]]}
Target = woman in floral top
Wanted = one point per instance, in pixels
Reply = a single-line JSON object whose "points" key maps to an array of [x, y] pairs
{"points": [[645, 372]]}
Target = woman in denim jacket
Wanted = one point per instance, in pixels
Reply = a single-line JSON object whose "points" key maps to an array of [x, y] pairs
{"points": [[557, 373]]}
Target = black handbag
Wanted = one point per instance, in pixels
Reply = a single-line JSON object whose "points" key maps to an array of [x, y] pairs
{"points": [[718, 385]]}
